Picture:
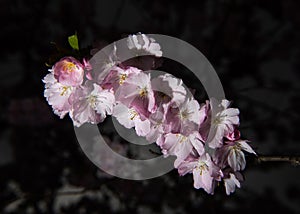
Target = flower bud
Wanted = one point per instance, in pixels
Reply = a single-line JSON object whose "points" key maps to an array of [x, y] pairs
{"points": [[69, 71]]}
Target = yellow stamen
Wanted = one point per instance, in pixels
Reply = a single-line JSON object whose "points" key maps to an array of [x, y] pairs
{"points": [[69, 67], [202, 167], [133, 114], [92, 100], [122, 78], [182, 138], [184, 114], [143, 92], [64, 90]]}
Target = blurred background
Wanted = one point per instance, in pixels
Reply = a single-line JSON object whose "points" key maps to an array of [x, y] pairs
{"points": [[253, 45]]}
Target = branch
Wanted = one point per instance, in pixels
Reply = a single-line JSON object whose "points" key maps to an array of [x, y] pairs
{"points": [[292, 160]]}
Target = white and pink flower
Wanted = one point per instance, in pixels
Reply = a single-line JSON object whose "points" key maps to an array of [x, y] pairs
{"points": [[169, 86], [185, 118], [136, 92], [182, 145], [69, 71], [91, 104], [231, 181], [223, 122], [205, 172], [231, 154], [58, 95], [204, 138], [130, 118], [141, 43]]}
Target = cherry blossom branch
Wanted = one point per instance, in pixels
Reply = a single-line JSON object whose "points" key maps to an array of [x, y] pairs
{"points": [[292, 160]]}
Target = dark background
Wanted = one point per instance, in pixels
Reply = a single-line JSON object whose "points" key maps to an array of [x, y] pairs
{"points": [[253, 45]]}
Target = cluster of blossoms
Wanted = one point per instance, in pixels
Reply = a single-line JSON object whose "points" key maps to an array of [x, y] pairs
{"points": [[160, 109]]}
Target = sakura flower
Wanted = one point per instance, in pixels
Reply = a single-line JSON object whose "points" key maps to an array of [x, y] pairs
{"points": [[58, 95], [170, 86], [189, 113], [185, 118], [232, 154], [91, 104], [231, 181], [68, 71], [130, 118], [205, 172], [181, 145], [136, 92], [118, 76], [223, 122], [144, 44]]}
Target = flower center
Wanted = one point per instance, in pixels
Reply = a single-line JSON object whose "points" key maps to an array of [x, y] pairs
{"points": [[182, 138], [219, 119], [92, 100], [133, 114], [184, 114], [143, 92], [237, 147], [69, 67], [64, 90], [122, 78], [202, 166]]}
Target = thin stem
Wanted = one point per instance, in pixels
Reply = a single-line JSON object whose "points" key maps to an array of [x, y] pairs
{"points": [[292, 160]]}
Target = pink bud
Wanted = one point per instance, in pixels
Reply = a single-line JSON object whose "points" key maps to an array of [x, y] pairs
{"points": [[233, 136], [68, 71]]}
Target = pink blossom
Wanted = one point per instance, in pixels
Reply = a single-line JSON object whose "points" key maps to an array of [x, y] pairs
{"points": [[137, 92], [181, 145], [69, 71], [222, 122], [185, 118], [205, 172], [58, 95], [130, 118], [169, 86], [232, 154], [91, 104], [117, 76], [141, 43]]}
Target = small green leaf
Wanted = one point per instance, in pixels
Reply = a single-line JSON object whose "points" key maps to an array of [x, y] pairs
{"points": [[73, 41]]}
